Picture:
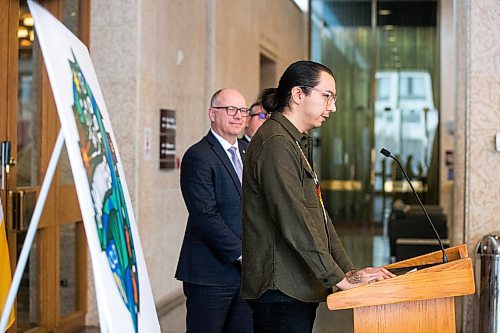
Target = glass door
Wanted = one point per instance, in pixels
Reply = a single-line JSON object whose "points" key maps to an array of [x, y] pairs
{"points": [[52, 293], [384, 55], [342, 39], [406, 113]]}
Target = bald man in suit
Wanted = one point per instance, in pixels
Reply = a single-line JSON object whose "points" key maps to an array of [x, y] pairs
{"points": [[210, 258]]}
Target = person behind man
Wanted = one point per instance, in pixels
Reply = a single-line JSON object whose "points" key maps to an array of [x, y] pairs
{"points": [[293, 256], [257, 117], [210, 259]]}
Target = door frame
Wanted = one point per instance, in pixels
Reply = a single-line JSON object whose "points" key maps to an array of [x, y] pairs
{"points": [[61, 206]]}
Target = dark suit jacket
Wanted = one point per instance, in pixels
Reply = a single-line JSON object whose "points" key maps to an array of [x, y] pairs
{"points": [[212, 193]]}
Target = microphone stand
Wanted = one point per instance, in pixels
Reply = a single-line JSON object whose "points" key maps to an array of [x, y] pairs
{"points": [[387, 153]]}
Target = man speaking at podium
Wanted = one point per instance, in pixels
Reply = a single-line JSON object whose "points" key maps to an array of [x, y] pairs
{"points": [[292, 256]]}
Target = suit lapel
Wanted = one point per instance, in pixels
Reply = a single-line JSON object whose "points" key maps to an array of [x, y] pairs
{"points": [[222, 155], [243, 149]]}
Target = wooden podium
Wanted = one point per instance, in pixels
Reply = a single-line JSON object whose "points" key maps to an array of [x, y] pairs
{"points": [[419, 301]]}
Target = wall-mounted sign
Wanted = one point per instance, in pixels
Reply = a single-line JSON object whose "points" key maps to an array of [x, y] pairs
{"points": [[167, 139], [448, 158]]}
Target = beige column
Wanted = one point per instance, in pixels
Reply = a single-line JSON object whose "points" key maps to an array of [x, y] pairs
{"points": [[477, 184]]}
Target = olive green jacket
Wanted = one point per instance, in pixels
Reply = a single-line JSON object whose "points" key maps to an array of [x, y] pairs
{"points": [[286, 243]]}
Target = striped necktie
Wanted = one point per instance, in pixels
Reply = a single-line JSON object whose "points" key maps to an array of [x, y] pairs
{"points": [[236, 162]]}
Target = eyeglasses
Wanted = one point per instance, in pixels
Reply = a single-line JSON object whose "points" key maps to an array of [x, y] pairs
{"points": [[232, 110], [328, 94], [262, 115]]}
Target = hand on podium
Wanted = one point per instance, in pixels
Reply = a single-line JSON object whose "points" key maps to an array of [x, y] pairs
{"points": [[361, 277]]}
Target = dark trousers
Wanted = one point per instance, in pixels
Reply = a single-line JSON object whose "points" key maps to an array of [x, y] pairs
{"points": [[281, 317], [216, 309]]}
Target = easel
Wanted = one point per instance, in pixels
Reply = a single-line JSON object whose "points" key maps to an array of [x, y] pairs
{"points": [[66, 60], [30, 236]]}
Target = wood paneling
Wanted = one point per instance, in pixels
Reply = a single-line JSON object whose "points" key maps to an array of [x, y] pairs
{"points": [[61, 206], [445, 280], [437, 315], [421, 301]]}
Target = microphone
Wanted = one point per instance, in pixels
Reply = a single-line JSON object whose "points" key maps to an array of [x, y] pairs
{"points": [[387, 153]]}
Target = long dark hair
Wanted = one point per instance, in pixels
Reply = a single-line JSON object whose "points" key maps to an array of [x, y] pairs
{"points": [[303, 73]]}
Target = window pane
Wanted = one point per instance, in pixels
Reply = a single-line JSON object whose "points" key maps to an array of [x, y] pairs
{"points": [[71, 19], [68, 271], [27, 296], [28, 112], [386, 69]]}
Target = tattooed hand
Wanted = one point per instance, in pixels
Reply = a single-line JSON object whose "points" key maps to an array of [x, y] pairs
{"points": [[356, 278], [353, 277]]}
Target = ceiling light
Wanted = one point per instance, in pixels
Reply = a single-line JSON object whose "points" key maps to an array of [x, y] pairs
{"points": [[384, 12], [22, 32], [388, 27], [25, 43], [28, 21]]}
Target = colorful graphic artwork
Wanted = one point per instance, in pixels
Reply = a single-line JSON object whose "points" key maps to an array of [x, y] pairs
{"points": [[110, 209], [124, 298]]}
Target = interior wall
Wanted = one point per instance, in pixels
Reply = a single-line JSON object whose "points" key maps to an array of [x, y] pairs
{"points": [[482, 119], [477, 186], [151, 55], [246, 28], [448, 130], [446, 107], [114, 31]]}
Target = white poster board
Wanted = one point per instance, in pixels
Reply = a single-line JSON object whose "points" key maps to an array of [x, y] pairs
{"points": [[123, 290]]}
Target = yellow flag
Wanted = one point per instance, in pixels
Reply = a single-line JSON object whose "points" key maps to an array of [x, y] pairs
{"points": [[5, 275]]}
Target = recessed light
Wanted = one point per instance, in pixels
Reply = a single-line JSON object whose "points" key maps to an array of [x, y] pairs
{"points": [[28, 21], [22, 32]]}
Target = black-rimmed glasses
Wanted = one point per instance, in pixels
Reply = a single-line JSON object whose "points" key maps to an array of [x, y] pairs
{"points": [[232, 110], [328, 94]]}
